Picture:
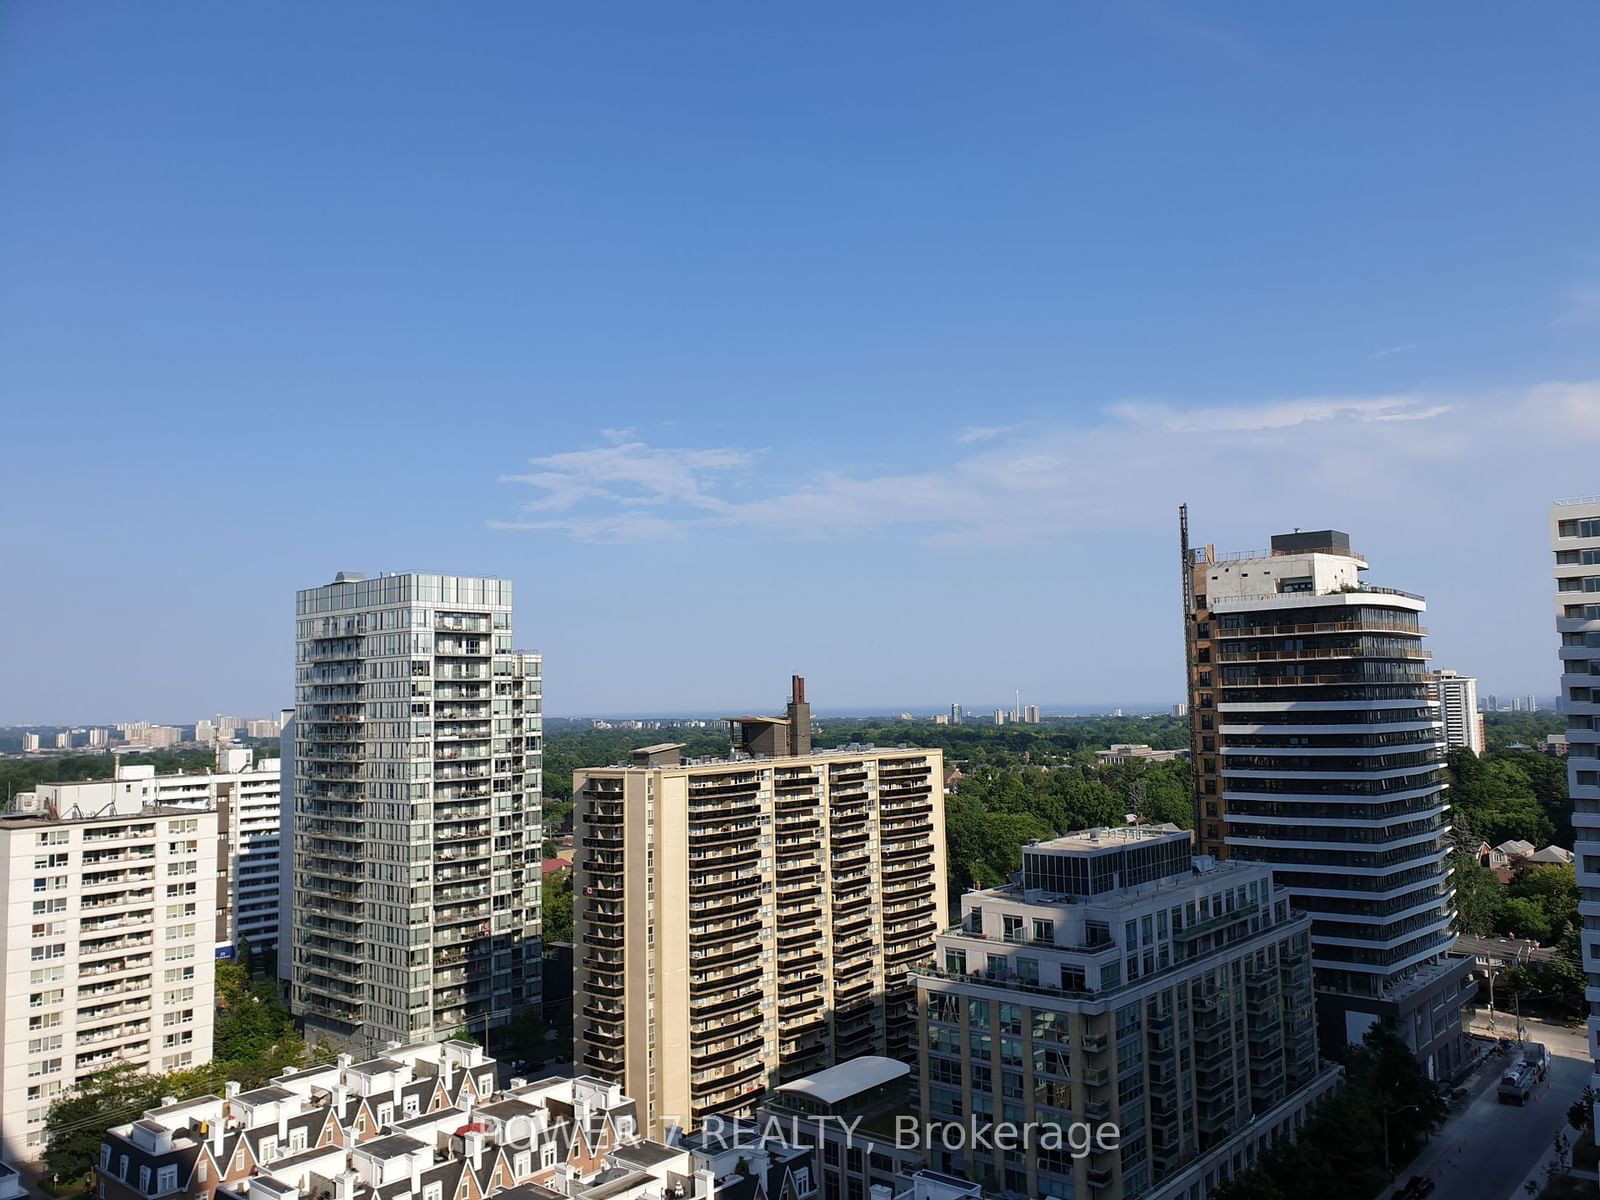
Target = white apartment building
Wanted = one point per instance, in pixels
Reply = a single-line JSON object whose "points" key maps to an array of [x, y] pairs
{"points": [[30, 743], [1575, 539], [106, 946], [1458, 708], [245, 801], [417, 758]]}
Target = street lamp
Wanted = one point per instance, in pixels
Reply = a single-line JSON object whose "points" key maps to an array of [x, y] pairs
{"points": [[1389, 1170]]}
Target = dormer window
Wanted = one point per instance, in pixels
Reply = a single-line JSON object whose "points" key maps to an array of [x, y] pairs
{"points": [[166, 1180]]}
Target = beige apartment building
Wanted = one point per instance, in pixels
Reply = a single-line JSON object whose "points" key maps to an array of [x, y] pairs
{"points": [[106, 942], [741, 922]]}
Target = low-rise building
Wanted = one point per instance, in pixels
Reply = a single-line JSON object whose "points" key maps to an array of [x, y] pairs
{"points": [[1122, 752], [850, 1114], [1120, 982], [422, 1121]]}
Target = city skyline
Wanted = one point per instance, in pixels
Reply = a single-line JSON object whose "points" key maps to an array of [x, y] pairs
{"points": [[964, 303]]}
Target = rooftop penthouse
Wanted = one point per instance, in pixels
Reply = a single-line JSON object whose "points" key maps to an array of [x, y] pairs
{"points": [[1070, 921]]}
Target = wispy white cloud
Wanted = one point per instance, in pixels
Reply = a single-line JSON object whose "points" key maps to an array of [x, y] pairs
{"points": [[1120, 471], [983, 433], [1285, 414], [1391, 351], [628, 472]]}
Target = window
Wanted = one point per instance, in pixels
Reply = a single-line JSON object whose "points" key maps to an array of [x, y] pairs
{"points": [[1044, 931], [166, 1180], [1013, 927]]}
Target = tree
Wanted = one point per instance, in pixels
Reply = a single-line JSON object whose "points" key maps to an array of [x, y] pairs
{"points": [[1524, 918], [1581, 1115], [1554, 888], [1480, 897], [558, 907], [78, 1120], [524, 1038]]}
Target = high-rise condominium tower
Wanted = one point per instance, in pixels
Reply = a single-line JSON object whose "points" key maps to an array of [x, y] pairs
{"points": [[1458, 710], [106, 941], [749, 920], [1316, 749], [1575, 537], [416, 758]]}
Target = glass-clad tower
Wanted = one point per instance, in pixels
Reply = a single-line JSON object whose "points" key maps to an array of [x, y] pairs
{"points": [[417, 838], [1318, 749], [1575, 539]]}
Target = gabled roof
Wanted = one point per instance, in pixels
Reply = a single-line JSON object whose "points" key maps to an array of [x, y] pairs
{"points": [[1551, 854]]}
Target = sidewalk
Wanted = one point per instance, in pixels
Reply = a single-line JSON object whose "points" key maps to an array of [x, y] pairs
{"points": [[1537, 1175]]}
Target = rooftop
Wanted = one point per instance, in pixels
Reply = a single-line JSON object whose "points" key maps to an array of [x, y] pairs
{"points": [[377, 1066], [1113, 837], [392, 1146], [736, 759], [265, 1095], [847, 1079], [645, 1153]]}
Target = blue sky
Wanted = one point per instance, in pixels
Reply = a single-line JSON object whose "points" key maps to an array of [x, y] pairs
{"points": [[874, 342]]}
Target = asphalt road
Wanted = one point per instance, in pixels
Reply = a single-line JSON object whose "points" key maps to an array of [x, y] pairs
{"points": [[1487, 1150]]}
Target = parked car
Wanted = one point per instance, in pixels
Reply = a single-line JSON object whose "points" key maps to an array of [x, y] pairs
{"points": [[1417, 1187]]}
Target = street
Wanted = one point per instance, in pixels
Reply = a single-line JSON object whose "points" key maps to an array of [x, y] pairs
{"points": [[1486, 1151]]}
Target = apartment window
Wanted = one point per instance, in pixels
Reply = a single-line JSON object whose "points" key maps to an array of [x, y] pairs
{"points": [[1044, 931], [105, 1156], [955, 962], [1012, 927], [45, 1044], [45, 953], [45, 1066], [55, 837], [434, 1191], [166, 1180]]}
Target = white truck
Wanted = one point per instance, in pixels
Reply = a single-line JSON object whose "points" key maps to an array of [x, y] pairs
{"points": [[1516, 1085]]}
